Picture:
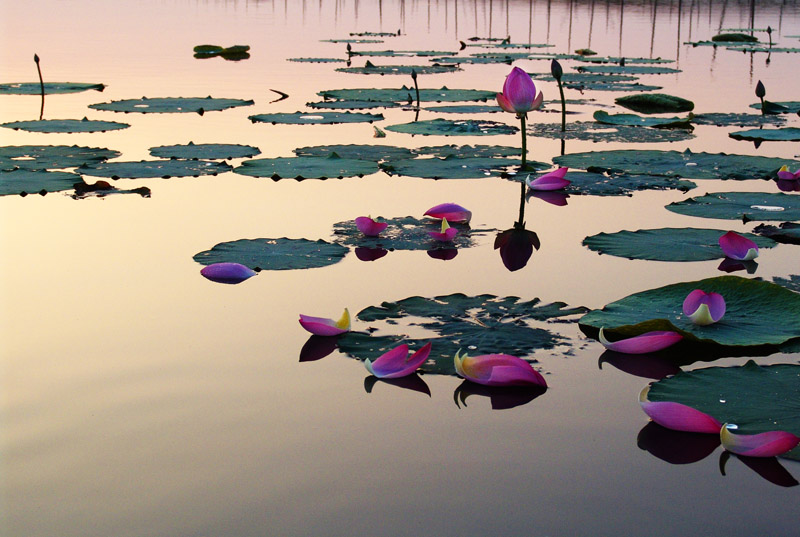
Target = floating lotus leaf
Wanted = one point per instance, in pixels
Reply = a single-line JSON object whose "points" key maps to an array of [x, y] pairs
{"points": [[455, 167], [375, 34], [786, 107], [627, 69], [758, 313], [351, 105], [45, 157], [787, 232], [236, 52], [352, 41], [370, 69], [315, 118], [746, 206], [504, 56], [676, 164], [408, 233], [757, 398], [734, 38], [402, 53], [602, 116], [316, 60], [625, 61], [737, 120], [465, 109], [165, 105], [405, 94], [65, 125], [764, 48], [274, 254], [307, 167], [481, 324], [467, 151], [373, 153], [666, 244], [792, 282], [598, 132], [204, 151], [598, 184], [598, 82], [520, 45], [35, 88], [450, 127], [25, 182], [655, 103], [499, 58], [786, 134], [154, 168]]}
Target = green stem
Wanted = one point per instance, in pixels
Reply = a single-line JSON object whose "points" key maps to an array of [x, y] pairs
{"points": [[41, 84], [563, 107], [524, 142]]}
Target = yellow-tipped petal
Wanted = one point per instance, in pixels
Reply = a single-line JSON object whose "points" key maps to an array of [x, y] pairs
{"points": [[457, 361], [445, 225], [784, 168], [344, 321]]}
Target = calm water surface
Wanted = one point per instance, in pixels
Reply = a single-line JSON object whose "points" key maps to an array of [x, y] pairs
{"points": [[140, 399]]}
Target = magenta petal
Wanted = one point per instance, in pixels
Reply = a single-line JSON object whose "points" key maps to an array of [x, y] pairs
{"points": [[504, 103], [677, 416], [786, 174], [704, 308], [737, 247], [519, 91], [451, 211], [643, 343], [498, 370], [227, 272], [396, 363], [769, 444], [549, 181], [320, 326], [448, 235], [370, 227]]}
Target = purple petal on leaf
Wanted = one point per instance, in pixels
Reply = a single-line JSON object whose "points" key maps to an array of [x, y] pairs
{"points": [[451, 211], [785, 174], [370, 227], [769, 444], [704, 308], [497, 370], [737, 247], [549, 181], [446, 236], [643, 343], [227, 272], [677, 416]]}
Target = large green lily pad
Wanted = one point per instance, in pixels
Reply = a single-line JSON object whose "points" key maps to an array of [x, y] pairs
{"points": [[627, 69], [676, 164], [374, 153], [655, 103], [452, 167], [598, 82], [65, 125], [370, 69], [307, 167], [785, 107], [204, 151], [786, 134], [738, 120], [746, 206], [235, 52], [598, 184], [274, 254], [473, 60], [787, 232], [465, 109], [316, 60], [408, 233], [757, 398], [352, 105], [734, 38], [792, 282], [25, 182], [758, 313], [154, 168], [315, 118], [601, 116], [468, 151], [481, 324], [450, 127], [598, 132], [405, 94], [402, 53], [51, 157], [167, 105], [35, 88], [666, 244]]}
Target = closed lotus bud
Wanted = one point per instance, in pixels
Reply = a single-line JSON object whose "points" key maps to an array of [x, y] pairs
{"points": [[556, 70], [760, 90]]}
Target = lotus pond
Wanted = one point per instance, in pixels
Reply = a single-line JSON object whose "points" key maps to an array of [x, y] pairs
{"points": [[143, 397]]}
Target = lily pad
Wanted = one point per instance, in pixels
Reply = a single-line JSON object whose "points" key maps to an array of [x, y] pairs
{"points": [[738, 120], [750, 319], [598, 184], [449, 127], [167, 105], [787, 232], [274, 254], [601, 116], [351, 105], [405, 94], [452, 167], [315, 118], [352, 41], [746, 206], [307, 167], [65, 125], [666, 244], [786, 107], [316, 60], [154, 168], [370, 69], [734, 38], [407, 233], [792, 282], [47, 157], [627, 69], [757, 398], [475, 60], [373, 153], [402, 53], [598, 132], [25, 182], [787, 134], [204, 151], [465, 109], [35, 88], [655, 103], [235, 52]]}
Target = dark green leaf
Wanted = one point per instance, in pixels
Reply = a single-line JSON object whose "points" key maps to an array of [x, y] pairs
{"points": [[455, 167], [787, 134], [164, 105], [598, 184], [627, 69], [154, 168], [655, 103], [477, 151], [598, 132], [35, 88], [204, 151], [787, 232], [65, 125], [449, 127], [370, 69], [49, 157], [315, 118], [307, 167], [274, 254], [745, 206], [352, 105], [788, 107], [408, 233], [405, 94], [602, 116], [24, 181], [373, 153]]}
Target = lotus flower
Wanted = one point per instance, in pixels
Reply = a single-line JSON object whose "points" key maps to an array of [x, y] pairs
{"points": [[453, 212], [786, 175], [641, 344], [227, 272], [677, 416], [769, 444], [396, 363], [737, 247], [446, 234], [516, 246], [549, 181], [704, 308], [326, 327], [497, 370], [519, 93], [370, 227]]}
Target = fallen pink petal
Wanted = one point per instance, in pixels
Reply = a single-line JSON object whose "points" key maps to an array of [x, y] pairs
{"points": [[737, 247], [447, 233], [227, 272], [768, 444], [519, 94], [370, 227], [643, 343], [320, 326], [451, 211], [549, 181], [396, 363], [786, 175], [677, 416], [704, 308], [497, 370]]}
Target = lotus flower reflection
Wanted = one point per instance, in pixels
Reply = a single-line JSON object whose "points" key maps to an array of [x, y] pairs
{"points": [[737, 247], [451, 211], [677, 416], [768, 444], [396, 363], [320, 326], [550, 181], [370, 227], [497, 370], [447, 233], [516, 246], [227, 272], [643, 343], [704, 308], [786, 175]]}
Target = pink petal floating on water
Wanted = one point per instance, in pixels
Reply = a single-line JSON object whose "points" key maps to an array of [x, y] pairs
{"points": [[227, 272], [519, 93], [769, 444], [704, 308], [737, 247], [643, 343], [451, 211], [320, 326], [446, 235], [549, 181], [677, 416], [497, 370], [785, 174], [370, 227], [396, 363]]}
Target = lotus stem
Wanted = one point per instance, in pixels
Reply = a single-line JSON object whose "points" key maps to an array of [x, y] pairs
{"points": [[41, 84], [563, 107], [416, 86]]}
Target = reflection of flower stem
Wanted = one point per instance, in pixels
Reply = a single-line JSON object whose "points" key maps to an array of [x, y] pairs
{"points": [[416, 86], [520, 221], [41, 84], [524, 140]]}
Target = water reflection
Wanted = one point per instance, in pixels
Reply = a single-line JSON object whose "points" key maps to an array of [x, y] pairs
{"points": [[650, 366], [768, 468], [318, 347], [517, 243], [501, 397], [411, 382]]}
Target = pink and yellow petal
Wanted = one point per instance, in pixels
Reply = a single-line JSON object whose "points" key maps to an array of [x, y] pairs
{"points": [[320, 326], [704, 308], [677, 416], [768, 444]]}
